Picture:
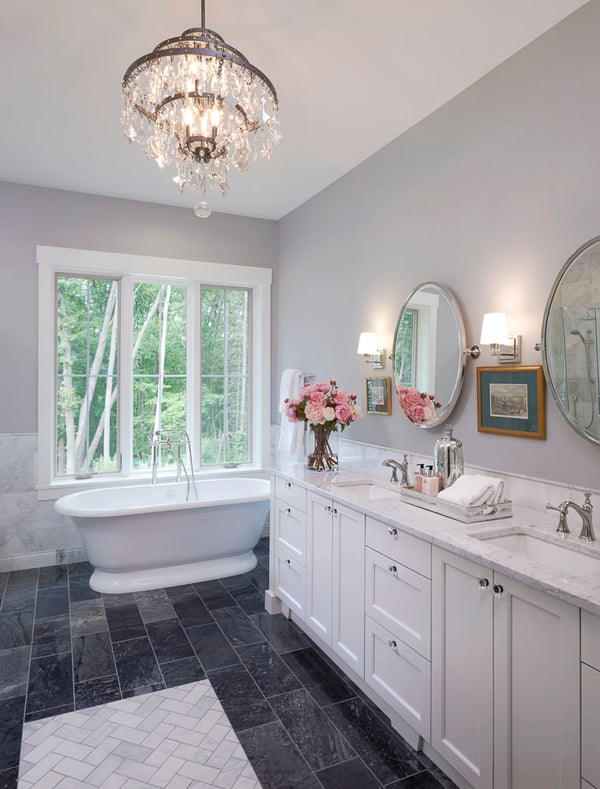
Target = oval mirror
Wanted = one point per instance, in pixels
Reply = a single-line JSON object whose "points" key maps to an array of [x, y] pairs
{"points": [[570, 340], [428, 355]]}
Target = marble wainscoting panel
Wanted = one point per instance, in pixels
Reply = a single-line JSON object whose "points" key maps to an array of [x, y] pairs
{"points": [[17, 462]]}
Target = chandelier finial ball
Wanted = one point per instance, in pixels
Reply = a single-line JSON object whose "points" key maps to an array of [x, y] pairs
{"points": [[202, 210]]}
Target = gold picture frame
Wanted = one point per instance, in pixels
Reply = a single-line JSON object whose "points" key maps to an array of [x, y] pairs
{"points": [[379, 395], [511, 401]]}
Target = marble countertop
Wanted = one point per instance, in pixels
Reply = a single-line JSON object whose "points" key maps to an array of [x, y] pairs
{"points": [[457, 537]]}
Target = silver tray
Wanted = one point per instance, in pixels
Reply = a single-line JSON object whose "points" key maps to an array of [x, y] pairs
{"points": [[485, 512]]}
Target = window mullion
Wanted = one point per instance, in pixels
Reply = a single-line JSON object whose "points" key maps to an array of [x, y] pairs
{"points": [[125, 395], [194, 368]]}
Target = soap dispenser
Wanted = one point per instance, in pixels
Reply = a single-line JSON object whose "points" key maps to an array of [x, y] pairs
{"points": [[448, 458]]}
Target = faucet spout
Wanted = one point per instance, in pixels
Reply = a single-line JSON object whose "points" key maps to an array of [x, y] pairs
{"points": [[585, 513], [396, 466]]}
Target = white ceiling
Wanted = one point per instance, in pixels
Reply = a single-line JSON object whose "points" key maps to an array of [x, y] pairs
{"points": [[351, 76]]}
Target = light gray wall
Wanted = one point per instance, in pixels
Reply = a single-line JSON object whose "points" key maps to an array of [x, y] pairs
{"points": [[488, 196], [31, 216]]}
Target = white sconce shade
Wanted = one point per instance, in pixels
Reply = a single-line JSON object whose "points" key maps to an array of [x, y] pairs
{"points": [[367, 343], [367, 346], [494, 330]]}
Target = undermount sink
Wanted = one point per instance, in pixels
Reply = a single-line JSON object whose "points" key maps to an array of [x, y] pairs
{"points": [[558, 557], [368, 490]]}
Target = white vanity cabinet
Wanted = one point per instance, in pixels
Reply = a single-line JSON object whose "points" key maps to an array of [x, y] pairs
{"points": [[398, 621], [336, 577], [288, 517], [590, 700], [505, 679]]}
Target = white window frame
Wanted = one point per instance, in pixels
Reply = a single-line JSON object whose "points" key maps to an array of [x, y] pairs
{"points": [[53, 260]]}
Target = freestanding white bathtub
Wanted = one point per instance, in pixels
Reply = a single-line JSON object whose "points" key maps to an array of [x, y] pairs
{"points": [[148, 536]]}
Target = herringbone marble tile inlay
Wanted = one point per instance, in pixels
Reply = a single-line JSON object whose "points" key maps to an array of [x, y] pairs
{"points": [[177, 738]]}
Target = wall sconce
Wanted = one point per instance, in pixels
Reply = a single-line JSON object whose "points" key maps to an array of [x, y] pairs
{"points": [[367, 346], [494, 332]]}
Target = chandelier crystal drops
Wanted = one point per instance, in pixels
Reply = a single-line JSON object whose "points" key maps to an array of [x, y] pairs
{"points": [[198, 103]]}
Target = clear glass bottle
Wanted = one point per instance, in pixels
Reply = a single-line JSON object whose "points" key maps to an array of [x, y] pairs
{"points": [[448, 460]]}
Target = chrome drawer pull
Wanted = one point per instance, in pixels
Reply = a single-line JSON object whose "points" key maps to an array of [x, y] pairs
{"points": [[498, 590], [288, 562], [392, 532], [288, 484], [392, 644], [393, 569], [483, 584], [288, 510]]}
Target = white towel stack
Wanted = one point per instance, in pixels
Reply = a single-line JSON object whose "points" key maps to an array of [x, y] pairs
{"points": [[291, 433], [472, 490]]}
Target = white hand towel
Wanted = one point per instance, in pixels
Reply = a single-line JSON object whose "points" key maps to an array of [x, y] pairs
{"points": [[474, 490], [290, 433]]}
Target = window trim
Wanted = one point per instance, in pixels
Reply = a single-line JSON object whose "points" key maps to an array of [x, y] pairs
{"points": [[53, 260]]}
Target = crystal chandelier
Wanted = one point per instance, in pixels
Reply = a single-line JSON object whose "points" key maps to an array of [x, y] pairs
{"points": [[198, 103]]}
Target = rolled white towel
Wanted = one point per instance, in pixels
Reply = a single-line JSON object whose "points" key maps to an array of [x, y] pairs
{"points": [[471, 490]]}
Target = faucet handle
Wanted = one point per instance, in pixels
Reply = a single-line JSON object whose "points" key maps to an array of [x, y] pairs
{"points": [[587, 495], [563, 527]]}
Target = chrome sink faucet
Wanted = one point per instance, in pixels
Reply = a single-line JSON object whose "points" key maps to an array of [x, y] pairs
{"points": [[396, 466], [585, 513]]}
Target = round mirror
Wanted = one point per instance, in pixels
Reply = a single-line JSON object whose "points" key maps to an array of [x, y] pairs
{"points": [[428, 355], [570, 340]]}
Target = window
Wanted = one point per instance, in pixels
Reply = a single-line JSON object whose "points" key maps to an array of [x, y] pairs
{"points": [[132, 350]]}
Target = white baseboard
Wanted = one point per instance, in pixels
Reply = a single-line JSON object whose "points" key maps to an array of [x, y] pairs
{"points": [[26, 561]]}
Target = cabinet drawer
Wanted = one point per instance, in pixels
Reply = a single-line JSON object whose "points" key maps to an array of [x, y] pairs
{"points": [[403, 548], [399, 675], [290, 492], [590, 639], [290, 582], [590, 724], [290, 530], [400, 600]]}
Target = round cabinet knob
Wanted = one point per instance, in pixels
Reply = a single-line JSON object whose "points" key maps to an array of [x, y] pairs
{"points": [[288, 484], [498, 590], [335, 512], [483, 583], [392, 532], [288, 562], [327, 508], [393, 569], [392, 644], [288, 510]]}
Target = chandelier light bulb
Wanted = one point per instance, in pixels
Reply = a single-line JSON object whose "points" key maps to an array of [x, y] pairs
{"points": [[202, 210], [197, 103]]}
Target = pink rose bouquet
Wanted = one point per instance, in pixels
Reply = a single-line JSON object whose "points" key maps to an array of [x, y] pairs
{"points": [[323, 404], [418, 406]]}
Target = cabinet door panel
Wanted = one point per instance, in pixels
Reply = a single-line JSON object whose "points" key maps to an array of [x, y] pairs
{"points": [[400, 600], [290, 582], [348, 625], [319, 553], [461, 667], [590, 724], [536, 689]]}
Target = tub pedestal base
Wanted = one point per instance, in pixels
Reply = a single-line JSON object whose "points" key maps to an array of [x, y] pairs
{"points": [[118, 582]]}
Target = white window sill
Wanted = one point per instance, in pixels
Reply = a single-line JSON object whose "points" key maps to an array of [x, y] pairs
{"points": [[59, 488]]}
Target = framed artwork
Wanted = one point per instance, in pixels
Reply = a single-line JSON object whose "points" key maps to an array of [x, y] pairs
{"points": [[511, 401], [379, 395]]}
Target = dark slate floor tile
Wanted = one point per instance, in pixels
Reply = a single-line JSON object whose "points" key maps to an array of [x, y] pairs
{"points": [[80, 569], [16, 629], [277, 762], [213, 595], [92, 656], [310, 667], [353, 774], [154, 605], [51, 636], [183, 592], [143, 689], [332, 691], [118, 600], [14, 666], [48, 713], [317, 738], [383, 750], [438, 774], [180, 672], [100, 690], [50, 682], [268, 670], [169, 641], [191, 611], [244, 704], [237, 626], [211, 646], [52, 602], [88, 616], [136, 664], [259, 577], [124, 622], [250, 600], [423, 780], [236, 583], [11, 723], [9, 778], [54, 575], [79, 589], [18, 598], [27, 577], [281, 633]]}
